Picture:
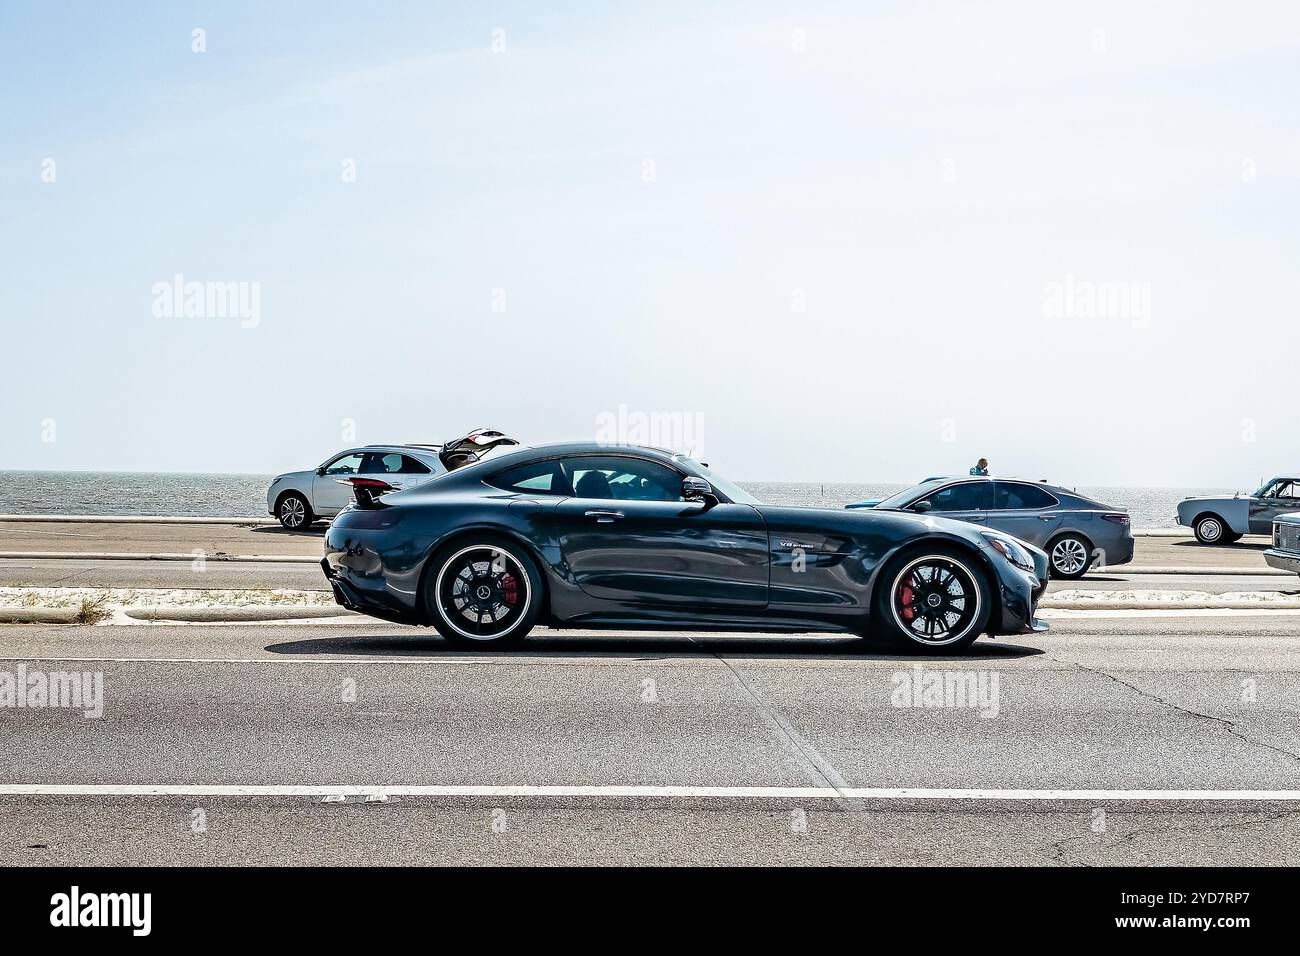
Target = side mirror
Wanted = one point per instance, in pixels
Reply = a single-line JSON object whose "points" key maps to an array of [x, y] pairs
{"points": [[921, 507], [321, 471], [697, 489]]}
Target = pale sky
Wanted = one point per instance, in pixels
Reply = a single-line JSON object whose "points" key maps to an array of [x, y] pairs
{"points": [[824, 242]]}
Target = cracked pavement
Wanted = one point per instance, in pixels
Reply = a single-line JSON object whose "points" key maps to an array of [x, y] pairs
{"points": [[1112, 705]]}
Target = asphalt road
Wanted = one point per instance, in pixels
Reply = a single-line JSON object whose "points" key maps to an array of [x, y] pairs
{"points": [[78, 572], [1111, 705], [211, 539]]}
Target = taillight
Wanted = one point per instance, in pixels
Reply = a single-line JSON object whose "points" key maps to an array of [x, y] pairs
{"points": [[1117, 518]]}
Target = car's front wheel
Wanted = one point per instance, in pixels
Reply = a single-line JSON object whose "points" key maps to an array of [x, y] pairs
{"points": [[484, 593], [1210, 529], [1070, 556], [294, 512], [934, 599]]}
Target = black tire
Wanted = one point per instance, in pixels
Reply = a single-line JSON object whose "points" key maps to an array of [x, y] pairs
{"points": [[1231, 537], [294, 511], [478, 576], [904, 586], [1069, 556], [1210, 529]]}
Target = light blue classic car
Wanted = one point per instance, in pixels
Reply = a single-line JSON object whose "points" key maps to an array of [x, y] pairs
{"points": [[1223, 520]]}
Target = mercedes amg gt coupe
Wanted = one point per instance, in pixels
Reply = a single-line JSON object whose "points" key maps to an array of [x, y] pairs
{"points": [[593, 536]]}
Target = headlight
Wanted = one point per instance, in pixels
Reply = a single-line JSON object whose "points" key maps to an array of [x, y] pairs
{"points": [[1010, 549]]}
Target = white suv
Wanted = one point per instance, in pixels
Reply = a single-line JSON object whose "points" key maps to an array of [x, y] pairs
{"points": [[300, 497]]}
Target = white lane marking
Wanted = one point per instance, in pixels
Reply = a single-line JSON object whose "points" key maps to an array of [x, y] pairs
{"points": [[828, 793], [155, 556], [1065, 614], [412, 659]]}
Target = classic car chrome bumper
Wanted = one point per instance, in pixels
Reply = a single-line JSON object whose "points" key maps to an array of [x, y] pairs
{"points": [[1285, 560]]}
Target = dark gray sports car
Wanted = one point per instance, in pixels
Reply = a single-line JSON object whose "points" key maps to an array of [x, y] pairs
{"points": [[592, 536]]}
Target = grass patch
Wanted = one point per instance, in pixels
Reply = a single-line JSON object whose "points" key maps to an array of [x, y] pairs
{"points": [[92, 610]]}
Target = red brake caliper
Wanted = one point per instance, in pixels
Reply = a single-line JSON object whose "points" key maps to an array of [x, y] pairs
{"points": [[905, 598], [511, 588]]}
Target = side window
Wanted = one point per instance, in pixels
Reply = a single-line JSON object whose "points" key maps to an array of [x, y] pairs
{"points": [[623, 479], [969, 496], [378, 463], [346, 465], [539, 477], [413, 466], [1012, 495], [1283, 488]]}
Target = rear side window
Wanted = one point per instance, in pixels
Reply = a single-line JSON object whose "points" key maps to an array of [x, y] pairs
{"points": [[1013, 496], [969, 496], [413, 466], [538, 477], [377, 463]]}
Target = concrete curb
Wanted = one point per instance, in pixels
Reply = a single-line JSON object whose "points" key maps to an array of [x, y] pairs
{"points": [[133, 519], [1177, 533], [264, 613], [1262, 571], [157, 556], [218, 615], [38, 615], [1047, 604], [1190, 569], [268, 520]]}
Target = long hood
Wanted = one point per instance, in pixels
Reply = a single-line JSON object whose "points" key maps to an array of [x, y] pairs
{"points": [[864, 520], [295, 476], [1217, 499]]}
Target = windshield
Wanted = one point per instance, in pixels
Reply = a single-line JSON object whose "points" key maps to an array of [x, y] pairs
{"points": [[729, 488], [907, 495]]}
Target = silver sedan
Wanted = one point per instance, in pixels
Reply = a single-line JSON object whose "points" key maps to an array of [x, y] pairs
{"points": [[1076, 532]]}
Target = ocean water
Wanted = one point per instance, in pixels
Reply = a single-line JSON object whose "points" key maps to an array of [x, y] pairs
{"points": [[237, 496]]}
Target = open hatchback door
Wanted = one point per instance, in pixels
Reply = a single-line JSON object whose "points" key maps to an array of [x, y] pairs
{"points": [[477, 445], [473, 447]]}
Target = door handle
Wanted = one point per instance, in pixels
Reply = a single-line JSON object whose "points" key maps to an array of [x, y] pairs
{"points": [[605, 517], [1046, 518]]}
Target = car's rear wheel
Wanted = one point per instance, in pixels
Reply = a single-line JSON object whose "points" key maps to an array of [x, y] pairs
{"points": [[1070, 556], [1210, 529], [935, 598], [483, 593], [293, 511]]}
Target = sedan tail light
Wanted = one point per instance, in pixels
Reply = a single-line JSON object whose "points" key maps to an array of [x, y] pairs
{"points": [[1117, 518]]}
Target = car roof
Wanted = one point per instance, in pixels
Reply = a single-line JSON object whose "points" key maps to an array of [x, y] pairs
{"points": [[955, 479], [398, 448], [527, 453], [594, 448]]}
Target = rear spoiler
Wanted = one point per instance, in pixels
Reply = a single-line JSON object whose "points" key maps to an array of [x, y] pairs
{"points": [[366, 491], [465, 451]]}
